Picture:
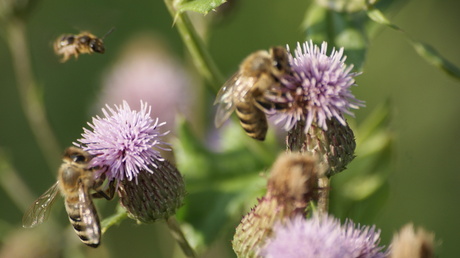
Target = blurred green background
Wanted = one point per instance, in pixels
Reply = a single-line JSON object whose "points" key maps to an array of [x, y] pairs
{"points": [[424, 103]]}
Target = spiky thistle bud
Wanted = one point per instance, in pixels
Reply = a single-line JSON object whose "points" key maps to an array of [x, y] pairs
{"points": [[154, 195], [335, 146], [291, 186]]}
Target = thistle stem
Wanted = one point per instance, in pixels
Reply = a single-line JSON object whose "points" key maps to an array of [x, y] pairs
{"points": [[13, 185], [297, 141], [323, 195], [29, 94], [201, 57], [179, 236], [115, 219]]}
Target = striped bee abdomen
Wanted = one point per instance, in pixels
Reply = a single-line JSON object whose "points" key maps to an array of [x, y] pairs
{"points": [[252, 119], [83, 217]]}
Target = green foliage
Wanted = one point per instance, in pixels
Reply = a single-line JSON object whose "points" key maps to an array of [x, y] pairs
{"points": [[352, 30], [200, 6], [360, 191], [427, 52], [339, 29], [433, 57], [221, 186]]}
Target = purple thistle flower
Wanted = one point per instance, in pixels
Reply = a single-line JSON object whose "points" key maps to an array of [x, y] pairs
{"points": [[124, 142], [319, 88], [322, 237]]}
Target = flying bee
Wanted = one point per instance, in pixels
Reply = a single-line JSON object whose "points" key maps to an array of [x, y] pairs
{"points": [[83, 43], [75, 180], [245, 92]]}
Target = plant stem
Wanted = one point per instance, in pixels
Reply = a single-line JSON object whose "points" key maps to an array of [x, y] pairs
{"points": [[115, 219], [33, 107], [177, 233], [298, 141], [13, 185], [323, 195], [196, 47]]}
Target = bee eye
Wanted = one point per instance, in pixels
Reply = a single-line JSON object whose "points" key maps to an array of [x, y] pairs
{"points": [[69, 39], [78, 158], [278, 65]]}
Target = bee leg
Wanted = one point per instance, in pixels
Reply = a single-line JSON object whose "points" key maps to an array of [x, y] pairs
{"points": [[75, 54], [107, 194], [65, 58], [260, 90]]}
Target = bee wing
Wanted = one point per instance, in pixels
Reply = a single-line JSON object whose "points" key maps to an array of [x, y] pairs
{"points": [[39, 211], [224, 100], [234, 89], [89, 217]]}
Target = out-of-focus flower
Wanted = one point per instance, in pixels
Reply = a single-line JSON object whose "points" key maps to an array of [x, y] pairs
{"points": [[291, 186], [147, 70], [409, 243], [322, 236], [124, 142], [319, 88]]}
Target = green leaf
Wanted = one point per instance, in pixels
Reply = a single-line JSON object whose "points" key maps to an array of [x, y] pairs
{"points": [[200, 6], [426, 51], [221, 186], [433, 57], [339, 29], [378, 17], [360, 191]]}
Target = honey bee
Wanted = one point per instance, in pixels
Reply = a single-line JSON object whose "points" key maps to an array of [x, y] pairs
{"points": [[83, 43], [75, 180], [259, 74]]}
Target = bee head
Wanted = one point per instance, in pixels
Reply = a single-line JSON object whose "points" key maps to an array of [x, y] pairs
{"points": [[66, 40], [97, 45], [280, 59], [77, 155]]}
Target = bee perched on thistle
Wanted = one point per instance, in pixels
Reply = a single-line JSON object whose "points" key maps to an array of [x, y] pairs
{"points": [[83, 43], [75, 182], [245, 92]]}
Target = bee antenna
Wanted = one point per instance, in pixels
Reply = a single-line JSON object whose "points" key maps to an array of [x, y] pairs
{"points": [[108, 32]]}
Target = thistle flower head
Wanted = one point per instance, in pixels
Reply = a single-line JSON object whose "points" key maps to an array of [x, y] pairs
{"points": [[124, 142], [322, 236], [319, 88]]}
